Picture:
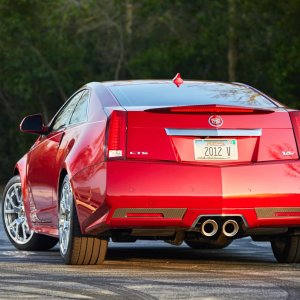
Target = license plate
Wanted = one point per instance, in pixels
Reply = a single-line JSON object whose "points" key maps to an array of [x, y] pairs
{"points": [[220, 149]]}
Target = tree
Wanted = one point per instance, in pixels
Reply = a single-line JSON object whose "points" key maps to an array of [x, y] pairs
{"points": [[48, 49]]}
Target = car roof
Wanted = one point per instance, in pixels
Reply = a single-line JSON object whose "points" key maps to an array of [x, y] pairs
{"points": [[111, 85], [161, 81]]}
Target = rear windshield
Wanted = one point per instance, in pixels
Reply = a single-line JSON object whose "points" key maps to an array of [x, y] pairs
{"points": [[189, 93]]}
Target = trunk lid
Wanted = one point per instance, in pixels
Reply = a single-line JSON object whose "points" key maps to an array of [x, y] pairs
{"points": [[210, 134]]}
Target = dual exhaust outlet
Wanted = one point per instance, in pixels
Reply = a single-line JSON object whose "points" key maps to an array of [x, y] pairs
{"points": [[210, 227]]}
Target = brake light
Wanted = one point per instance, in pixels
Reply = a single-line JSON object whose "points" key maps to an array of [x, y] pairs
{"points": [[116, 140], [212, 109], [295, 118]]}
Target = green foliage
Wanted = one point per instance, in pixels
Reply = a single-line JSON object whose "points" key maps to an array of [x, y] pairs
{"points": [[48, 49]]}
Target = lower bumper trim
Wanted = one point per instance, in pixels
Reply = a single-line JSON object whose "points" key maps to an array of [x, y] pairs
{"points": [[277, 212], [167, 213]]}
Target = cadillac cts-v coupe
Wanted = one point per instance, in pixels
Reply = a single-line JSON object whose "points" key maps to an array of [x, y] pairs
{"points": [[181, 161]]}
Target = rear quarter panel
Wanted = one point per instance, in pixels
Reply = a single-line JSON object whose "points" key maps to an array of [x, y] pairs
{"points": [[85, 163], [20, 169]]}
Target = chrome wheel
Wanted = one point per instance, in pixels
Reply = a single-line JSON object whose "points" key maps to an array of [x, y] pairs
{"points": [[65, 207], [14, 215]]}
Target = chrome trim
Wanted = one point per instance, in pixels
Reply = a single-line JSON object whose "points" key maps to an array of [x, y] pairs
{"points": [[270, 212], [168, 213], [213, 132]]}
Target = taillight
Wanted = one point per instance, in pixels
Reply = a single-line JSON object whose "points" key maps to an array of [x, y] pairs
{"points": [[116, 139], [295, 118]]}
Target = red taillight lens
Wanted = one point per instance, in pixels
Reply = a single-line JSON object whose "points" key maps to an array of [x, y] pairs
{"points": [[212, 109], [295, 118], [116, 140]]}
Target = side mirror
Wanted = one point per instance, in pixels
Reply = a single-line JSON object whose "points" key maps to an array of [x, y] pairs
{"points": [[33, 124]]}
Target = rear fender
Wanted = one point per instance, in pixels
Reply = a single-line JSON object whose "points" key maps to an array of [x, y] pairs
{"points": [[21, 170]]}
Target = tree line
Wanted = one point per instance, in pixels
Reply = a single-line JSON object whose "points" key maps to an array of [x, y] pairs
{"points": [[50, 48]]}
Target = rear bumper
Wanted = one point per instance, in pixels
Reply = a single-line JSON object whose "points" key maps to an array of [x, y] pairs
{"points": [[165, 194]]}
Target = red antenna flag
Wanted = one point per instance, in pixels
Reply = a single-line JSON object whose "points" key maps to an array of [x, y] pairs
{"points": [[177, 80]]}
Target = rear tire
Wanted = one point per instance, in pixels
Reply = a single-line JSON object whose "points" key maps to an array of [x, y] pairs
{"points": [[15, 220], [286, 248], [76, 249]]}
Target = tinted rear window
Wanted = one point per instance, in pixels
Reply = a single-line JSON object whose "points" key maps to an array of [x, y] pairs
{"points": [[190, 93]]}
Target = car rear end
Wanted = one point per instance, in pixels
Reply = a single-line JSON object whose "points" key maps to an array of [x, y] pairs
{"points": [[203, 158]]}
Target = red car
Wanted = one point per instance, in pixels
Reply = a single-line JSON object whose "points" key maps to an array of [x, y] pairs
{"points": [[197, 162]]}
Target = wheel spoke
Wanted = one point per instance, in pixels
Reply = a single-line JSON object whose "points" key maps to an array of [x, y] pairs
{"points": [[17, 194], [24, 231], [13, 224], [63, 206], [13, 228], [12, 210], [17, 231], [27, 228], [67, 225], [11, 201]]}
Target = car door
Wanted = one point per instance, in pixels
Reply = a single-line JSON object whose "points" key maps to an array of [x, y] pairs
{"points": [[41, 163]]}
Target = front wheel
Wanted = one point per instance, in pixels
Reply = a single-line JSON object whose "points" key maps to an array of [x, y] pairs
{"points": [[76, 249], [286, 248], [15, 220]]}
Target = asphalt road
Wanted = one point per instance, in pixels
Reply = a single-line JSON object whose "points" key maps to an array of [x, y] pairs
{"points": [[150, 270]]}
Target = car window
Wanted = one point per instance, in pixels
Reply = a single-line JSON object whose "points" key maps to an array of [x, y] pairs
{"points": [[189, 93], [63, 118], [80, 112]]}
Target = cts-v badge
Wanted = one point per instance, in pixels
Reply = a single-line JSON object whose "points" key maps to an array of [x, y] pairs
{"points": [[288, 153]]}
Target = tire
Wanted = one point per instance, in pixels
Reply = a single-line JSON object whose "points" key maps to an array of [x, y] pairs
{"points": [[286, 248], [15, 221], [76, 249], [204, 244]]}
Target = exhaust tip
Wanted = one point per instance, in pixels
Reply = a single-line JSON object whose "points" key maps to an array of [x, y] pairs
{"points": [[230, 228], [209, 228]]}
